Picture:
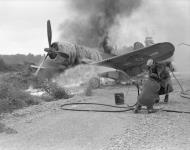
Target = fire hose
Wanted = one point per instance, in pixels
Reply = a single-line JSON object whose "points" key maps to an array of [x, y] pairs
{"points": [[119, 108]]}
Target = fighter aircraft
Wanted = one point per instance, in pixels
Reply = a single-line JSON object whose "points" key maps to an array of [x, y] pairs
{"points": [[129, 64]]}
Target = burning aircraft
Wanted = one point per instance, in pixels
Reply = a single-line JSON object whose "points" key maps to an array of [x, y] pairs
{"points": [[66, 55]]}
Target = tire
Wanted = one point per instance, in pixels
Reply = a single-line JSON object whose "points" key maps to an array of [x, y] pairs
{"points": [[95, 82]]}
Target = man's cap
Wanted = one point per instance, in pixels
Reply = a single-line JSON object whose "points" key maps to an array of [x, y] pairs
{"points": [[149, 62]]}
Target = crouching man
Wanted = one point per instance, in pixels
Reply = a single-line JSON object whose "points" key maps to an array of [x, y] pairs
{"points": [[149, 93]]}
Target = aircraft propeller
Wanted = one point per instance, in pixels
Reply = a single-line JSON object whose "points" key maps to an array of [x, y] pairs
{"points": [[51, 51], [49, 35]]}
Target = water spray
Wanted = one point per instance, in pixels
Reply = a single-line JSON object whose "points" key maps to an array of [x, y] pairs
{"points": [[183, 44]]}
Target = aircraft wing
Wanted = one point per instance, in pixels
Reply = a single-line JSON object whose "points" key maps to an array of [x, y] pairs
{"points": [[129, 61], [158, 52]]}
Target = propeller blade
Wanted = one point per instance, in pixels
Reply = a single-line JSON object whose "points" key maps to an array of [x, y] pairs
{"points": [[49, 33], [39, 67]]}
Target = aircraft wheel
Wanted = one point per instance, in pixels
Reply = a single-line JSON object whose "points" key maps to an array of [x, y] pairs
{"points": [[95, 82]]}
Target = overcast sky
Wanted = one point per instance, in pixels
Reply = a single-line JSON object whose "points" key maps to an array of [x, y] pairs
{"points": [[23, 23]]}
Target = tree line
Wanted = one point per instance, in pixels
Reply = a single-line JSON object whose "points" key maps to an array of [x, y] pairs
{"points": [[16, 62]]}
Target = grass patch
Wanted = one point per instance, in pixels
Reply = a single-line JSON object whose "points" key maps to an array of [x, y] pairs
{"points": [[12, 98], [22, 81], [13, 95]]}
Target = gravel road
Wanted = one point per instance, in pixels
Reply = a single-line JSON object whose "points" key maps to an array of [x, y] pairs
{"points": [[48, 127]]}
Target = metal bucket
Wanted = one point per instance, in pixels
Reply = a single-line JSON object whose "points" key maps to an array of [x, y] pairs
{"points": [[119, 98]]}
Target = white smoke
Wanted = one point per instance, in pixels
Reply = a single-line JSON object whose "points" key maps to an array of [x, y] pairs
{"points": [[164, 20], [76, 79]]}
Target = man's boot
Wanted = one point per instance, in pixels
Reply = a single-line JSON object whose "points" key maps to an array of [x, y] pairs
{"points": [[166, 98], [150, 109], [137, 108], [157, 100]]}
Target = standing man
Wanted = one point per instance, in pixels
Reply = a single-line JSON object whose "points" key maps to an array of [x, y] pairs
{"points": [[166, 83], [162, 70]]}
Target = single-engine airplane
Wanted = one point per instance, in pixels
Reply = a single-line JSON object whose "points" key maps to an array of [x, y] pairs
{"points": [[131, 64]]}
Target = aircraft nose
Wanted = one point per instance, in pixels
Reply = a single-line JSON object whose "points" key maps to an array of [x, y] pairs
{"points": [[51, 52], [46, 49]]}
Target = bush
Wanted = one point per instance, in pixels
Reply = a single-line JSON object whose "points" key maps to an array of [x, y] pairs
{"points": [[55, 91], [5, 105], [13, 98], [3, 66], [13, 94], [22, 81]]}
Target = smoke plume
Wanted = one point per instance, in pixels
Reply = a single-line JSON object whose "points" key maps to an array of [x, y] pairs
{"points": [[128, 21], [93, 19]]}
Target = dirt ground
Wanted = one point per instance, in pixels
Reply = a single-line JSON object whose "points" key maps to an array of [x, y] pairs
{"points": [[48, 127]]}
